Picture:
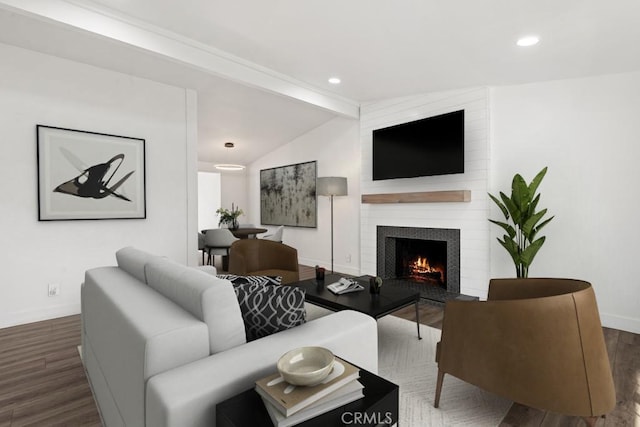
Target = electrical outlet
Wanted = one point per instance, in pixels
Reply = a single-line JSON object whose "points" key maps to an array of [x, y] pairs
{"points": [[54, 289], [348, 258]]}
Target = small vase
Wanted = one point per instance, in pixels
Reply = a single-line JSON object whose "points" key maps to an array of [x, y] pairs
{"points": [[234, 225]]}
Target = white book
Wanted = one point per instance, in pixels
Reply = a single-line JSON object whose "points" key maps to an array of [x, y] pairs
{"points": [[340, 397], [344, 286], [290, 399]]}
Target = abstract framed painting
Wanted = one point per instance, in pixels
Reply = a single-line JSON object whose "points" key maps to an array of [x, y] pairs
{"points": [[87, 175], [288, 195]]}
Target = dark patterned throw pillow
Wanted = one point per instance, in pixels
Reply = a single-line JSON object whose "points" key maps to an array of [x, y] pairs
{"points": [[269, 309], [257, 280]]}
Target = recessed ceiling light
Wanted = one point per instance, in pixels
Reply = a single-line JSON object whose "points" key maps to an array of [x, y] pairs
{"points": [[334, 81], [229, 167], [229, 144], [528, 41]]}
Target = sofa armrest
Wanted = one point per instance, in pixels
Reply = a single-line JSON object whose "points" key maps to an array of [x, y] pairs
{"points": [[188, 394], [209, 269]]}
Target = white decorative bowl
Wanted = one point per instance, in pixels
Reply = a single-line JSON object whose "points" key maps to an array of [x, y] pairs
{"points": [[306, 366]]}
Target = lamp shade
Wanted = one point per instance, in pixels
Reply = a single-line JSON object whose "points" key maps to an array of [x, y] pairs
{"points": [[331, 186]]}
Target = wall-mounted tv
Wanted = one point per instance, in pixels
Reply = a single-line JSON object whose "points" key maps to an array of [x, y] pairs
{"points": [[431, 146]]}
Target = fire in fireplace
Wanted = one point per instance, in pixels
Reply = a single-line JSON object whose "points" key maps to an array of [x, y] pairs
{"points": [[423, 261]]}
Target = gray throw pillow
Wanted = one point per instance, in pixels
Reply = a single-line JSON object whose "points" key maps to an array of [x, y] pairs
{"points": [[267, 309]]}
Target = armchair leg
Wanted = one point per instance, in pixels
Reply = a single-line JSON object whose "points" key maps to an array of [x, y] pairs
{"points": [[591, 421], [436, 403]]}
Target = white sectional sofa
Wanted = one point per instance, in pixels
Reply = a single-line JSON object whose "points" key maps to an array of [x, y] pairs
{"points": [[163, 343]]}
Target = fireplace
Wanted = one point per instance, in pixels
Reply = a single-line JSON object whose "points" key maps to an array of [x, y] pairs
{"points": [[425, 259]]}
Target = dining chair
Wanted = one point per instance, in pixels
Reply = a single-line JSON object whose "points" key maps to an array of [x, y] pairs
{"points": [[276, 236], [201, 245], [217, 242]]}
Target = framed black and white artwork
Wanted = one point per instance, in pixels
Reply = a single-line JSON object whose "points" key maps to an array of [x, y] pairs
{"points": [[89, 175], [288, 195]]}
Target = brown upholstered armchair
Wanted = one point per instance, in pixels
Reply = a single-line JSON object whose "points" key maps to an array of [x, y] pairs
{"points": [[259, 257], [538, 342]]}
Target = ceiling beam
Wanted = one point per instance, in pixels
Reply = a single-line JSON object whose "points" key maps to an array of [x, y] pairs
{"points": [[181, 49]]}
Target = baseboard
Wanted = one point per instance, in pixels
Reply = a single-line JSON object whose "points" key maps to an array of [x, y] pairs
{"points": [[619, 322], [36, 315]]}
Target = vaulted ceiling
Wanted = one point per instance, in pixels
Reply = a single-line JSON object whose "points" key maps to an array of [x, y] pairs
{"points": [[261, 68]]}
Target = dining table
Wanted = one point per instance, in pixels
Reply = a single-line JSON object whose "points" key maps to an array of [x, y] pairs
{"points": [[245, 232]]}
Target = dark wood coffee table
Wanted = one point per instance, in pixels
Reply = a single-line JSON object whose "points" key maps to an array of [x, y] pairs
{"points": [[389, 300], [380, 404]]}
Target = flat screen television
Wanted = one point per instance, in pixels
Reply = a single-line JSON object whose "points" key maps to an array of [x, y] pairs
{"points": [[431, 146]]}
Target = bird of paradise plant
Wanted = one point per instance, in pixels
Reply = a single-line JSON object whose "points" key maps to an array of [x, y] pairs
{"points": [[523, 221]]}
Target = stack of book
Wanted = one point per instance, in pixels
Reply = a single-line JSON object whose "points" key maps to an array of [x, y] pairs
{"points": [[288, 405], [345, 286]]}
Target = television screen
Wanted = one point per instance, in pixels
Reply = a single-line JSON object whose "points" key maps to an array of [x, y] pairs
{"points": [[431, 146]]}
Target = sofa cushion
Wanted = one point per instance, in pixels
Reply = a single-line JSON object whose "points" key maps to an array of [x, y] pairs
{"points": [[133, 260], [258, 280], [206, 297], [267, 309]]}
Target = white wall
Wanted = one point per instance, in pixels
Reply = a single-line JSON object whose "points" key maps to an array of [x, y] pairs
{"points": [[40, 89], [470, 218], [208, 200], [233, 189], [335, 146], [587, 132]]}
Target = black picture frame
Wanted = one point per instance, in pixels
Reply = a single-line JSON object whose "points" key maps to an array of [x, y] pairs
{"points": [[85, 175], [288, 195]]}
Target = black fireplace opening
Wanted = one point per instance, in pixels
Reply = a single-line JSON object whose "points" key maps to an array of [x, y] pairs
{"points": [[423, 261], [436, 271]]}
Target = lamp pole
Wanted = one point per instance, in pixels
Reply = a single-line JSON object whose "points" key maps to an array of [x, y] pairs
{"points": [[331, 186], [331, 197]]}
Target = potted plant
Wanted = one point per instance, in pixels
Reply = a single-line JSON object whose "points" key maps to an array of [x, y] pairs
{"points": [[229, 217], [523, 221], [375, 283]]}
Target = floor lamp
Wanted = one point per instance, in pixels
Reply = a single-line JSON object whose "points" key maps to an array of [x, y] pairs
{"points": [[331, 186]]}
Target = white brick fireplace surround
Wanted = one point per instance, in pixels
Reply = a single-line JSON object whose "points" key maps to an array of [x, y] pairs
{"points": [[470, 217]]}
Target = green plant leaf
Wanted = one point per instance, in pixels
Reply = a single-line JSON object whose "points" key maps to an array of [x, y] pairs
{"points": [[535, 183], [502, 207], [535, 231], [513, 209], [531, 222], [520, 193], [507, 227], [545, 222], [512, 247], [534, 205], [530, 252]]}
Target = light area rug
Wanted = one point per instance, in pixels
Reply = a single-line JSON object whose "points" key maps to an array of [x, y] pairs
{"points": [[410, 363]]}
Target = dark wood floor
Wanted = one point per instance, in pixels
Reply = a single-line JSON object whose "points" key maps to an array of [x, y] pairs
{"points": [[42, 382]]}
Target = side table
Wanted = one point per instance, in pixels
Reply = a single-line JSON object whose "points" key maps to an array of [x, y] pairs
{"points": [[378, 407]]}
